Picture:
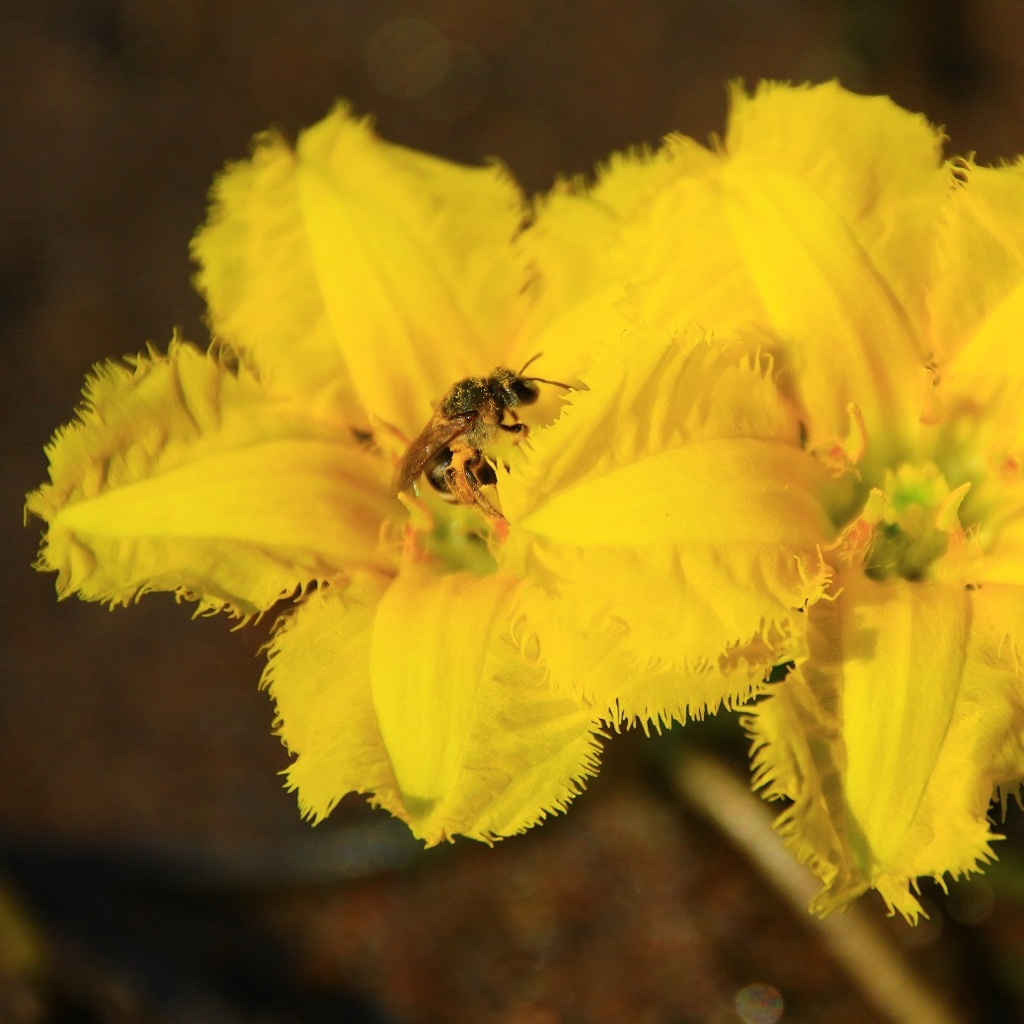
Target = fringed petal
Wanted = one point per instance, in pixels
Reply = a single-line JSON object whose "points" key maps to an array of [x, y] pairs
{"points": [[257, 274], [414, 691], [415, 263], [678, 259], [814, 226], [891, 738], [575, 290], [665, 633], [675, 526], [824, 298], [1003, 560], [878, 167], [363, 267], [182, 475], [977, 301]]}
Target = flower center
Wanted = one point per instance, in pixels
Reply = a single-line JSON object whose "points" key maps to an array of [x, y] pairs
{"points": [[911, 518], [456, 536]]}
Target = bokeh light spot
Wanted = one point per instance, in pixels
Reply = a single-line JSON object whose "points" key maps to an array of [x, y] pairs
{"points": [[970, 901], [759, 1004], [463, 89], [407, 58]]}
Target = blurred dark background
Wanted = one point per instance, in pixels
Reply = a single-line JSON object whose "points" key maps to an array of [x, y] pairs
{"points": [[151, 867]]}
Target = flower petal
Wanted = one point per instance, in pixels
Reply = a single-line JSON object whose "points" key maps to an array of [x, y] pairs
{"points": [[877, 166], [575, 292], [415, 263], [977, 303], [809, 228], [676, 525], [415, 691], [665, 633], [382, 272], [181, 475], [879, 737], [823, 297], [257, 275], [677, 255], [995, 665], [1003, 561], [762, 492]]}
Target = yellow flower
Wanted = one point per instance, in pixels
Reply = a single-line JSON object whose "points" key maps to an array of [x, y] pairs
{"points": [[791, 452], [885, 287], [350, 283]]}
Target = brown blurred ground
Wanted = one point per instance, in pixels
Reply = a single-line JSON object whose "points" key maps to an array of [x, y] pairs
{"points": [[143, 731]]}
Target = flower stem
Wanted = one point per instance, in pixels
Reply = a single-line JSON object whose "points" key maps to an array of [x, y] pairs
{"points": [[874, 963]]}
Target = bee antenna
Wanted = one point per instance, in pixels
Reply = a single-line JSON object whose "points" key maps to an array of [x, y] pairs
{"points": [[544, 380], [532, 359]]}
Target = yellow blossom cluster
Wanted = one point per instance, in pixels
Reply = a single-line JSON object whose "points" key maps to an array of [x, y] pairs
{"points": [[786, 474]]}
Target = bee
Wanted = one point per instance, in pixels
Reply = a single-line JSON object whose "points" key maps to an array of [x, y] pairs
{"points": [[449, 450]]}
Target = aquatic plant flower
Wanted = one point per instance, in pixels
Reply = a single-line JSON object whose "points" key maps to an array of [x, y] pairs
{"points": [[350, 282], [887, 286], [786, 476]]}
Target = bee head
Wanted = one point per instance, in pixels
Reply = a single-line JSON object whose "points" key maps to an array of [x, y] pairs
{"points": [[509, 389]]}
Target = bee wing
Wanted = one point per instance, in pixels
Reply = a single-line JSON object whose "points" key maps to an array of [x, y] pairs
{"points": [[437, 434]]}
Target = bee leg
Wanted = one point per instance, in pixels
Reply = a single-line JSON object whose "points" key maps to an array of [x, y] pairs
{"points": [[521, 430], [464, 476], [481, 472]]}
